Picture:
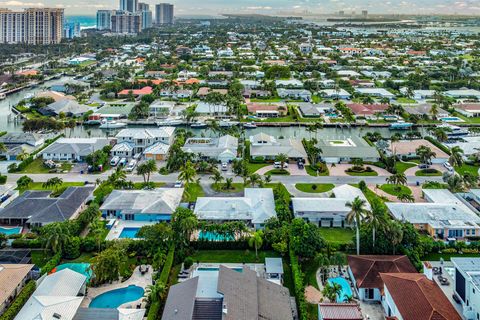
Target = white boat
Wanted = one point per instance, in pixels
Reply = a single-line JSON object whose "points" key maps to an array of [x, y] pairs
{"points": [[249, 125], [228, 124], [2, 96], [198, 125], [169, 123], [112, 125], [454, 131], [28, 96]]}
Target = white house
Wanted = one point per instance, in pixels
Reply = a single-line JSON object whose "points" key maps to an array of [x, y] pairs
{"points": [[137, 140], [223, 149], [335, 94], [73, 149], [268, 147], [467, 285], [376, 92]]}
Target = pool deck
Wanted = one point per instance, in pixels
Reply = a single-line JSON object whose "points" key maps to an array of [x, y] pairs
{"points": [[136, 279], [119, 225]]}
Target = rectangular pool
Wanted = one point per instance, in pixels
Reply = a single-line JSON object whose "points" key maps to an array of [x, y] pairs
{"points": [[130, 233], [346, 291], [8, 231]]}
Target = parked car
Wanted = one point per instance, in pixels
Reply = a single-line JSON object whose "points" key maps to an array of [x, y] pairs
{"points": [[114, 161], [448, 166], [131, 165], [423, 166], [300, 165], [178, 184], [122, 162], [224, 166], [277, 165]]}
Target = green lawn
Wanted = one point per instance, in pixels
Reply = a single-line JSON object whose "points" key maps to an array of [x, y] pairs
{"points": [[84, 257], [193, 191], [232, 256], [57, 192], [428, 173], [37, 167], [311, 171], [266, 100], [362, 174], [236, 187], [402, 166], [40, 257], [464, 168], [282, 172], [405, 100], [141, 185], [319, 187], [337, 235], [395, 190], [253, 167]]}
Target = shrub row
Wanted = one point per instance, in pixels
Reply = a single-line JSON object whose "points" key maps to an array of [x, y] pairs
{"points": [[24, 243], [52, 263], [439, 145], [154, 309], [19, 301], [298, 285]]}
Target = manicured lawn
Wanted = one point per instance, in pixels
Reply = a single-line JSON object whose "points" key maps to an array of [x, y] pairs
{"points": [[84, 257], [278, 172], [434, 185], [232, 256], [314, 187], [464, 168], [428, 173], [402, 166], [266, 100], [236, 187], [311, 171], [395, 190], [59, 190], [405, 100], [37, 167], [362, 174], [337, 235], [141, 185], [40, 257], [253, 167], [193, 191], [447, 256]]}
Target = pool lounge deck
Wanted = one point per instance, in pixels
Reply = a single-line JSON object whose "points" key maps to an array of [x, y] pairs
{"points": [[119, 225], [136, 279]]}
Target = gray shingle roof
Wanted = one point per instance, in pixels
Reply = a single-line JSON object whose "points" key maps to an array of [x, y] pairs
{"points": [[78, 146], [181, 301]]}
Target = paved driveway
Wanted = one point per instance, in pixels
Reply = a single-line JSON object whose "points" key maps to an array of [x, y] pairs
{"points": [[339, 170], [410, 172]]}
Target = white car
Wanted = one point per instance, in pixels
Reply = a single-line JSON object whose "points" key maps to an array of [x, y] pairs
{"points": [[224, 167], [131, 165], [178, 184], [448, 166], [115, 160], [278, 164]]}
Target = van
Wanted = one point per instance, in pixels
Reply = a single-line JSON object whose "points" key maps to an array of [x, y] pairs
{"points": [[115, 160], [278, 164], [131, 165]]}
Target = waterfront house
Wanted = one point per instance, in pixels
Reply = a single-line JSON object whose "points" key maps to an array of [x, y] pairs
{"points": [[207, 109], [338, 149], [38, 208], [365, 270], [254, 208], [139, 139], [469, 110], [142, 205], [12, 279], [335, 94], [67, 107], [266, 110], [367, 111], [223, 149], [268, 147], [463, 94], [136, 92], [73, 149], [295, 94], [20, 142], [376, 92], [407, 149], [466, 285]]}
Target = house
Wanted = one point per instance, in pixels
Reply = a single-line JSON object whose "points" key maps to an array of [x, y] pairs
{"points": [[335, 94], [274, 270], [310, 110], [268, 147], [228, 294], [263, 110], [469, 110], [38, 208], [425, 109], [466, 285], [376, 92], [58, 296], [339, 311], [419, 94], [207, 109], [407, 149], [57, 96], [223, 149], [12, 279], [136, 140], [365, 270], [294, 94], [444, 217], [328, 211], [256, 206], [290, 83], [72, 86], [136, 92], [204, 91], [73, 149], [368, 111], [67, 107], [142, 205], [338, 149], [463, 94], [161, 108], [20, 142], [413, 296]]}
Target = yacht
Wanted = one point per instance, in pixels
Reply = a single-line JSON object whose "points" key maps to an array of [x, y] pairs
{"points": [[198, 125], [169, 123], [454, 132], [249, 125], [112, 124], [228, 124], [400, 125]]}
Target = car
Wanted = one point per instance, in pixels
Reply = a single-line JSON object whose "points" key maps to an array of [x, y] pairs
{"points": [[423, 166], [278, 164], [300, 165], [122, 162], [178, 184], [224, 167], [131, 165], [115, 160], [448, 166]]}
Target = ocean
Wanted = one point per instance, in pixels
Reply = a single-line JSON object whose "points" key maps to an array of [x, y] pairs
{"points": [[85, 21]]}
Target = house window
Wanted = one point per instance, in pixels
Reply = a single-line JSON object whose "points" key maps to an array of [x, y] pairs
{"points": [[369, 294], [468, 231]]}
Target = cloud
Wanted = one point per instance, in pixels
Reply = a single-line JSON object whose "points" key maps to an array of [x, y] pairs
{"points": [[21, 4]]}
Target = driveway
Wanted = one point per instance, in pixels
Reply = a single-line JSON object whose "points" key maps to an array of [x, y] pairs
{"points": [[410, 172], [339, 170], [292, 168]]}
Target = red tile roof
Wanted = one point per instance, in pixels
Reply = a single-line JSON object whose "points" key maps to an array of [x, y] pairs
{"points": [[137, 92], [367, 268], [367, 109], [418, 298], [340, 311]]}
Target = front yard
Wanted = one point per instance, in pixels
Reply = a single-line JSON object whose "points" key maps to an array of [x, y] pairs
{"points": [[192, 192], [314, 187], [395, 190], [37, 166], [337, 235]]}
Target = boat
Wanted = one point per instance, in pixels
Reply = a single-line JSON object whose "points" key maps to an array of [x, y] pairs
{"points": [[228, 124], [454, 132], [400, 125], [249, 125], [198, 125], [112, 124], [28, 96], [2, 96], [169, 123]]}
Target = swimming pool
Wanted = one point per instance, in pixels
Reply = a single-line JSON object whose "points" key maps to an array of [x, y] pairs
{"points": [[213, 236], [451, 119], [8, 231], [82, 268], [217, 269], [346, 290], [114, 298], [130, 233]]}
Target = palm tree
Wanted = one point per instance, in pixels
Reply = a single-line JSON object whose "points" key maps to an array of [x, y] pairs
{"points": [[255, 179], [440, 134], [405, 197], [54, 183], [434, 111], [22, 155], [267, 178], [56, 237], [332, 291], [146, 169], [376, 218], [425, 154], [456, 156], [356, 215], [397, 179], [156, 291], [3, 147], [228, 183], [395, 233], [282, 158], [187, 174], [216, 177], [256, 240]]}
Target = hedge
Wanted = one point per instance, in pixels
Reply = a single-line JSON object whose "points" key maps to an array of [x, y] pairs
{"points": [[52, 263], [19, 301], [24, 243], [219, 245], [298, 285], [437, 144], [154, 309]]}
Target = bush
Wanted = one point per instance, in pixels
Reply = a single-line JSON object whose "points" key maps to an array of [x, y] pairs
{"points": [[154, 311], [219, 245], [71, 249], [3, 179], [19, 301], [15, 236], [362, 185], [298, 285], [88, 244], [24, 243], [52, 263], [187, 263], [167, 266]]}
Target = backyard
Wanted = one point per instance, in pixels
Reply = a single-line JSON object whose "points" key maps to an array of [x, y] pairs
{"points": [[232, 256]]}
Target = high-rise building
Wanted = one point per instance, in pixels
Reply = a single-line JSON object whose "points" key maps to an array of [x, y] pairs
{"points": [[32, 26], [126, 22], [104, 19], [164, 13], [71, 30], [364, 13], [129, 5], [144, 9]]}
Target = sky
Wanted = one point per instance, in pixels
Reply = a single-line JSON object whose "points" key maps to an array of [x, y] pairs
{"points": [[213, 7]]}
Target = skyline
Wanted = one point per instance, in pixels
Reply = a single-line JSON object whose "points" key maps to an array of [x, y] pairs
{"points": [[272, 7]]}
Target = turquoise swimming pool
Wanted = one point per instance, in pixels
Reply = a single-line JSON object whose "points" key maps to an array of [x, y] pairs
{"points": [[8, 231], [130, 233], [346, 290], [82, 268], [213, 236], [114, 298], [451, 119]]}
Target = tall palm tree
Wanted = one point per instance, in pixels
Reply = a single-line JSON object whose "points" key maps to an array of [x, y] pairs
{"points": [[456, 156], [282, 158], [56, 237], [156, 291], [376, 218], [425, 154], [146, 169], [405, 197], [216, 177], [434, 111], [395, 233], [187, 173], [256, 240], [54, 183], [356, 215]]}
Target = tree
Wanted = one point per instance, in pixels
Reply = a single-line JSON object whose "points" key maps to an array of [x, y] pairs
{"points": [[456, 156], [376, 218], [183, 223], [228, 183], [395, 232], [97, 158], [331, 291], [156, 291], [24, 182], [256, 240], [146, 169], [158, 235], [305, 238], [54, 183], [405, 197], [255, 179], [187, 173], [282, 158], [397, 179], [107, 264], [440, 134], [216, 177], [54, 236], [425, 154], [356, 215]]}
